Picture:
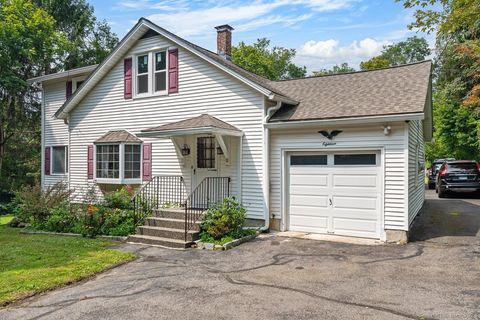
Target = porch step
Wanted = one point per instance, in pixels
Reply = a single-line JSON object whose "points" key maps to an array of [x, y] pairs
{"points": [[169, 223], [171, 213], [170, 233], [165, 242]]}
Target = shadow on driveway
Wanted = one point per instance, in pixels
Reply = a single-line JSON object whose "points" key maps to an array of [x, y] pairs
{"points": [[456, 216]]}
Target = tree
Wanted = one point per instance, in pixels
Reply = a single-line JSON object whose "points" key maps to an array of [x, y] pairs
{"points": [[342, 68], [413, 49], [89, 40], [457, 73], [272, 63], [29, 45]]}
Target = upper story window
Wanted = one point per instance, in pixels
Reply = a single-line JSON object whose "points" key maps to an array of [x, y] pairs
{"points": [[151, 73]]}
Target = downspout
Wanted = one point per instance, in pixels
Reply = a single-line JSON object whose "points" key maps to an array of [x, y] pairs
{"points": [[266, 164]]}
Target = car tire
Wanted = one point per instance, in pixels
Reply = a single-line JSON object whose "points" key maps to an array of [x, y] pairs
{"points": [[441, 193]]}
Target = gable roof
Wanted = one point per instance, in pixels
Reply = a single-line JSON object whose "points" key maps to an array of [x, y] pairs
{"points": [[143, 25], [202, 121], [395, 90], [117, 136]]}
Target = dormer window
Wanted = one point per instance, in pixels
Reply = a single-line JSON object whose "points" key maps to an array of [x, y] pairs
{"points": [[151, 73]]}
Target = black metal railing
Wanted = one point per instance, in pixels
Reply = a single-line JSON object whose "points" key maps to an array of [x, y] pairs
{"points": [[161, 191], [210, 191]]}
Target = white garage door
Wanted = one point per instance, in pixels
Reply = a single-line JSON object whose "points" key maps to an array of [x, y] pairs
{"points": [[337, 193]]}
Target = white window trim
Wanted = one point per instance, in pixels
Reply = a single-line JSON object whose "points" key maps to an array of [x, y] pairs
{"points": [[121, 168], [51, 160], [151, 73], [75, 82]]}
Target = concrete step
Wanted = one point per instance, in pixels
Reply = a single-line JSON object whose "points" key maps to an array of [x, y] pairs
{"points": [[171, 213], [170, 233], [165, 242], [169, 223]]}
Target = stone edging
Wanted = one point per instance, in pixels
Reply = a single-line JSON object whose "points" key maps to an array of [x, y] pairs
{"points": [[68, 234], [229, 245]]}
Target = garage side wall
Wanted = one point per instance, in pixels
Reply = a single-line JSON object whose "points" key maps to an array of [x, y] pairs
{"points": [[416, 169], [395, 202]]}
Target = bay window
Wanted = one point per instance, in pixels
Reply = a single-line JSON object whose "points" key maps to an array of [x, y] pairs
{"points": [[118, 163], [151, 73]]}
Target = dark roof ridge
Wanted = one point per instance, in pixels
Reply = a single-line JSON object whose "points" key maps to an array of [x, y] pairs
{"points": [[355, 72]]}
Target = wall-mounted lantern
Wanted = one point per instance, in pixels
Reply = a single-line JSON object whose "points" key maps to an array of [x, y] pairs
{"points": [[185, 150], [219, 151]]}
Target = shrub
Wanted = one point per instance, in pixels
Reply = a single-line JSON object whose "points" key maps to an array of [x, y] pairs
{"points": [[120, 199], [118, 222], [34, 204], [61, 219], [223, 218]]}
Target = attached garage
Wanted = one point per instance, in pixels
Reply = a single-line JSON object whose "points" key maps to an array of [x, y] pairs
{"points": [[349, 158], [335, 193]]}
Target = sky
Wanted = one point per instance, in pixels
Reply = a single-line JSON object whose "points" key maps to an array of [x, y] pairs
{"points": [[323, 32]]}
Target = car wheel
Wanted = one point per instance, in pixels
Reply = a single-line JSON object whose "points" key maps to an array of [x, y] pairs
{"points": [[442, 194]]}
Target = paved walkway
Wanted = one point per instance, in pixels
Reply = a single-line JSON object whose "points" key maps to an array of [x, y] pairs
{"points": [[435, 277]]}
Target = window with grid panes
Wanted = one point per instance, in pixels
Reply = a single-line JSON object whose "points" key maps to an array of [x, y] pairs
{"points": [[206, 152]]}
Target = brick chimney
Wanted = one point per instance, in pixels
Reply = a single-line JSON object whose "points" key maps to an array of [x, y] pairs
{"points": [[224, 41]]}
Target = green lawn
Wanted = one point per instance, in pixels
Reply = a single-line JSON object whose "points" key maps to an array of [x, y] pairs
{"points": [[31, 264]]}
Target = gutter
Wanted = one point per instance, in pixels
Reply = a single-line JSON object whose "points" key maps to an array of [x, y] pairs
{"points": [[266, 163], [349, 120]]}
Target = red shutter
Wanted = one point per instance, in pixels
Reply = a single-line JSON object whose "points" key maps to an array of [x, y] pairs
{"points": [[127, 78], [173, 71], [69, 89], [48, 151], [147, 162], [90, 162]]}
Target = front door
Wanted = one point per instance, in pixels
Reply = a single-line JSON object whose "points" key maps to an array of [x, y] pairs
{"points": [[205, 161]]}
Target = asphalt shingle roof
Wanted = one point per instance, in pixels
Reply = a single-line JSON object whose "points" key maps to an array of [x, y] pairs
{"points": [[118, 136], [395, 90], [202, 121]]}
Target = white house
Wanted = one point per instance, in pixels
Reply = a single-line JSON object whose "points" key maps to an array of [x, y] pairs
{"points": [[340, 154]]}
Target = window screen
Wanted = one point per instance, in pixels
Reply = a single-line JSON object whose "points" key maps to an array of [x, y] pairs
{"points": [[355, 159], [142, 74], [206, 152], [59, 160], [161, 71], [308, 160], [108, 161], [132, 161]]}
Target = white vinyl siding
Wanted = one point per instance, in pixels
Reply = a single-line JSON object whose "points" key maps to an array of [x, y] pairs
{"points": [[54, 131], [360, 137], [416, 164], [203, 88]]}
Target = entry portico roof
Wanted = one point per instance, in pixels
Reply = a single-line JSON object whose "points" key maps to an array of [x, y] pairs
{"points": [[203, 124]]}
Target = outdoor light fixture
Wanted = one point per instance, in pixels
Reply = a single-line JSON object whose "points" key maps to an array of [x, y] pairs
{"points": [[387, 130], [185, 150], [219, 151]]}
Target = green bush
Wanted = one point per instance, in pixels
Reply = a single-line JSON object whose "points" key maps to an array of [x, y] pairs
{"points": [[118, 222], [60, 219], [223, 218], [120, 199], [34, 204]]}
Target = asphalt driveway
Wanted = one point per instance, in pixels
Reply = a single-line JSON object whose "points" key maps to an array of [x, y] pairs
{"points": [[437, 276]]}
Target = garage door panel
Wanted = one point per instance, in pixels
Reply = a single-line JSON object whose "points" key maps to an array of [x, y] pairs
{"points": [[360, 228], [298, 200], [357, 203], [355, 181], [309, 190], [309, 224], [309, 180]]}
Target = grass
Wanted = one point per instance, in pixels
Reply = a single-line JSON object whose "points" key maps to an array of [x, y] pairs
{"points": [[31, 264]]}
